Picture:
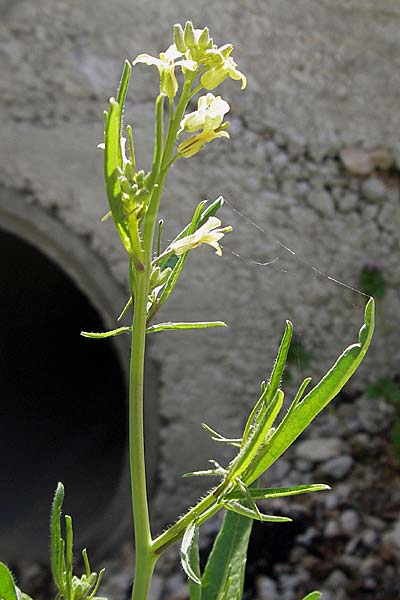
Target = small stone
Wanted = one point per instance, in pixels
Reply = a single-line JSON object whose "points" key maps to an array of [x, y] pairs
{"points": [[270, 149], [279, 470], [319, 449], [374, 523], [331, 500], [303, 189], [370, 566], [337, 579], [322, 201], [304, 466], [349, 520], [374, 189], [348, 202], [297, 146], [331, 529], [267, 588], [308, 536], [382, 158], [279, 163], [338, 467], [356, 161], [370, 538]]}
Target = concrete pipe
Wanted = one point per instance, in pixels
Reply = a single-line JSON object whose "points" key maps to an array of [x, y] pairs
{"points": [[63, 409]]}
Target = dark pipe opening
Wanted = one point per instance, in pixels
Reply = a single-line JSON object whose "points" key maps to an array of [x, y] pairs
{"points": [[62, 403]]}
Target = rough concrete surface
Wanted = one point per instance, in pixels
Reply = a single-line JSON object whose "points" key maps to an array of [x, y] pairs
{"points": [[322, 76]]}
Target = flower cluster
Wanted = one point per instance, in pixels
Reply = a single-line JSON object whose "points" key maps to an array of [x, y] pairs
{"points": [[195, 53], [193, 50]]}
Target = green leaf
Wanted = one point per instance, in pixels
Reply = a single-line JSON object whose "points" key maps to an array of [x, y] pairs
{"points": [[168, 326], [271, 388], [113, 156], [56, 544], [313, 596], [195, 588], [189, 538], [269, 493], [106, 334], [223, 577], [318, 398], [153, 329], [239, 508], [69, 541], [256, 440], [7, 586]]}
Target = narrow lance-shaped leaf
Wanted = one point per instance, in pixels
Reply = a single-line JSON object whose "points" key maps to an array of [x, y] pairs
{"points": [[256, 439], [187, 542], [239, 508], [113, 156], [56, 545], [106, 334], [7, 586], [313, 596], [171, 326], [272, 386], [271, 493], [223, 576], [153, 329], [194, 556], [317, 399]]}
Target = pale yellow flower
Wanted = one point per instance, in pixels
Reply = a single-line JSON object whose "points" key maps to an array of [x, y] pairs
{"points": [[166, 64], [222, 66], [209, 107], [209, 233], [208, 117]]}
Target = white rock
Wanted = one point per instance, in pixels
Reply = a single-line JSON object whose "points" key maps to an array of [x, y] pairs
{"points": [[338, 467], [349, 520], [267, 588], [319, 449], [374, 189]]}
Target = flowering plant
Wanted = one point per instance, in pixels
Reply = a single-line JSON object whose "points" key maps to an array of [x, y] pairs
{"points": [[134, 198]]}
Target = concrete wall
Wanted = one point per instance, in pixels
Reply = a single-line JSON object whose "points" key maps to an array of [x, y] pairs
{"points": [[322, 77]]}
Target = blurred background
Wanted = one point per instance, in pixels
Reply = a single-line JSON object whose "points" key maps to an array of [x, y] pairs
{"points": [[311, 182]]}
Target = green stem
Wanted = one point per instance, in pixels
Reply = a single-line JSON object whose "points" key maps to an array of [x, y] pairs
{"points": [[145, 555], [144, 558], [176, 531]]}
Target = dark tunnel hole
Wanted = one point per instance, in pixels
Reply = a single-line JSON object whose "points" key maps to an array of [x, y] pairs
{"points": [[62, 406]]}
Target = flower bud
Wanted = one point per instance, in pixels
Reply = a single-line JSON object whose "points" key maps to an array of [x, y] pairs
{"points": [[226, 50], [164, 275], [179, 39], [140, 178], [189, 35], [203, 39], [129, 171], [125, 185]]}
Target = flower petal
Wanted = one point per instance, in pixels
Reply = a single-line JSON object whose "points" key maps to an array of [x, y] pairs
{"points": [[148, 60]]}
